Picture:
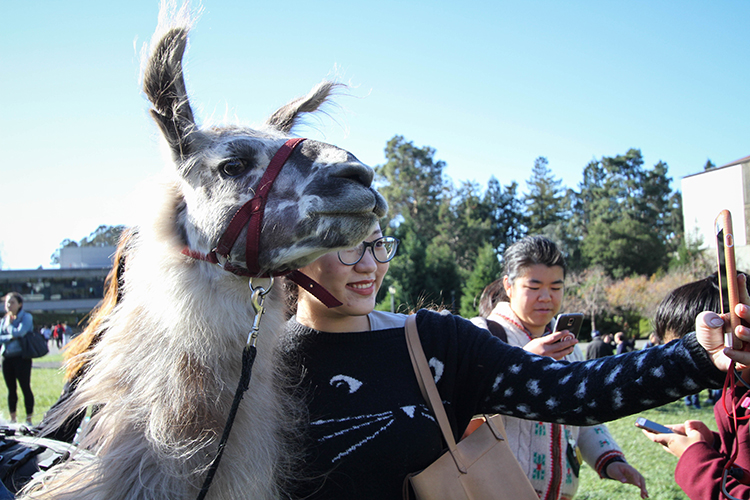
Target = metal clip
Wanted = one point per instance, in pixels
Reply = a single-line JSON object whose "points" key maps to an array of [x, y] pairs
{"points": [[258, 297]]}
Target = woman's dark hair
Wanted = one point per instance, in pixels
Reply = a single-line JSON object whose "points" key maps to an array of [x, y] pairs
{"points": [[529, 251], [491, 295], [675, 314], [16, 296]]}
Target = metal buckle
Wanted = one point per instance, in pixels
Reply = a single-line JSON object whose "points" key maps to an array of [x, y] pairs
{"points": [[258, 297]]}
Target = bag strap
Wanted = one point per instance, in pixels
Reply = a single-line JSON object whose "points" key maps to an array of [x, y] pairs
{"points": [[497, 330], [429, 389]]}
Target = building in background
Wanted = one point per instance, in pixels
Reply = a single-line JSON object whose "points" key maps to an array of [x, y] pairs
{"points": [[707, 193], [65, 294]]}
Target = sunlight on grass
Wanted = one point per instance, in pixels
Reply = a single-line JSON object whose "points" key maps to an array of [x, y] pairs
{"points": [[651, 460], [46, 384]]}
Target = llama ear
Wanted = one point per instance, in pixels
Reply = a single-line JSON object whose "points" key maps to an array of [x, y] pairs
{"points": [[286, 117], [164, 84]]}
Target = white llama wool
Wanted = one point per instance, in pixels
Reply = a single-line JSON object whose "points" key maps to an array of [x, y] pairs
{"points": [[165, 371]]}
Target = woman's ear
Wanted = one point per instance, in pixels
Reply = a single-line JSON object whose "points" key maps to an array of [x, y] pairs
{"points": [[507, 285]]}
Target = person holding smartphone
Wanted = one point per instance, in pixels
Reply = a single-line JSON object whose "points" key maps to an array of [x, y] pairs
{"points": [[524, 303], [703, 453], [365, 425]]}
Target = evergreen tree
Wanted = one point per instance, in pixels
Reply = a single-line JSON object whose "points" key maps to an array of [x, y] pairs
{"points": [[625, 215], [505, 211], [486, 270], [412, 182], [544, 199], [463, 224]]}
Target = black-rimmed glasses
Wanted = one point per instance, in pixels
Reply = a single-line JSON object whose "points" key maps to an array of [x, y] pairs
{"points": [[383, 250]]}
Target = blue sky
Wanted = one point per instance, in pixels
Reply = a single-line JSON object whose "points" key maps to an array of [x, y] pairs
{"points": [[490, 85]]}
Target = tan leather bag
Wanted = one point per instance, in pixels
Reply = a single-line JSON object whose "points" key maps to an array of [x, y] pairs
{"points": [[479, 467]]}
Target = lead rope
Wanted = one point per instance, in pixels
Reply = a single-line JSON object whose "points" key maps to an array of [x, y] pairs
{"points": [[248, 358]]}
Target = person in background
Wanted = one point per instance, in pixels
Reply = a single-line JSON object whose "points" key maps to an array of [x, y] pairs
{"points": [[653, 340], [16, 369], [67, 333], [623, 343], [57, 334], [598, 347], [703, 454], [533, 285], [46, 332]]}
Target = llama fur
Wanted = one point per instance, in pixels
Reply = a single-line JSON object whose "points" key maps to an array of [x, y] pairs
{"points": [[164, 373]]}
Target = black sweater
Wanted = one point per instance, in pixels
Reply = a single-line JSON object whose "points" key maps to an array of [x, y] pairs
{"points": [[369, 425]]}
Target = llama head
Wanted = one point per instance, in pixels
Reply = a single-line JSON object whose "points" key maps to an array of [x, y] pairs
{"points": [[321, 200]]}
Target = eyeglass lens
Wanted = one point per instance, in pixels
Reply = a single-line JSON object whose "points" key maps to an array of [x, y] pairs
{"points": [[383, 249]]}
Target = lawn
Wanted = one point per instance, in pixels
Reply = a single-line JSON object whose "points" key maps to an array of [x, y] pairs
{"points": [[651, 460], [656, 465], [46, 384]]}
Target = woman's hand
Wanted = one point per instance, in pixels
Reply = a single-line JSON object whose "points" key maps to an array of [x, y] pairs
{"points": [[556, 345], [709, 330], [626, 473], [684, 435]]}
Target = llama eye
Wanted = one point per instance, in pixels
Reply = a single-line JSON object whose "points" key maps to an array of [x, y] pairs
{"points": [[233, 167]]}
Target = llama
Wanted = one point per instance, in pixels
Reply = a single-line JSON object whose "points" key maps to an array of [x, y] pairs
{"points": [[165, 371]]}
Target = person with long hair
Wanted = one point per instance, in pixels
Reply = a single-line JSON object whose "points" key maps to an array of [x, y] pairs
{"points": [[16, 368]]}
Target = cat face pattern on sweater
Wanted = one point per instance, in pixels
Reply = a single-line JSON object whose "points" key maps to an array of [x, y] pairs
{"points": [[348, 434]]}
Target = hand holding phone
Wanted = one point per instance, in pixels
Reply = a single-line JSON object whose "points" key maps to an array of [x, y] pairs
{"points": [[569, 321], [727, 272], [651, 426]]}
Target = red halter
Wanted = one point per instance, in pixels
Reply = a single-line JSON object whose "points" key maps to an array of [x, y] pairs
{"points": [[251, 215]]}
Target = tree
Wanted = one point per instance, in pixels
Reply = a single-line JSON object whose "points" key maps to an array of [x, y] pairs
{"points": [[544, 199], [505, 212], [625, 212], [587, 292], [709, 165], [463, 224], [412, 182], [408, 270], [102, 236], [486, 270]]}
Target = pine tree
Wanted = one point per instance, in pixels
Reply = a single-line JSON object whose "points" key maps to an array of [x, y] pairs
{"points": [[544, 199], [486, 270]]}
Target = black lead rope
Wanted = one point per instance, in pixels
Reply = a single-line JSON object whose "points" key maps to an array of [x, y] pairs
{"points": [[248, 358]]}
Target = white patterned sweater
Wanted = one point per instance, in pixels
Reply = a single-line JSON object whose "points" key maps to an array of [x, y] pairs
{"points": [[542, 448]]}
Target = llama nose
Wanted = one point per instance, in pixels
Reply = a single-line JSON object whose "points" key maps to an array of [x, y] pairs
{"points": [[354, 171]]}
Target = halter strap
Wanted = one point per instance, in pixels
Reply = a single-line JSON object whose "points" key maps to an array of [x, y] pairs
{"points": [[250, 215]]}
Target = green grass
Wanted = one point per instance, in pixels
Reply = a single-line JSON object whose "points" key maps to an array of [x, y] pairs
{"points": [[651, 460], [46, 384]]}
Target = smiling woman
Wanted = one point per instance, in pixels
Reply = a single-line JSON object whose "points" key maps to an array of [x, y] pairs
{"points": [[355, 284], [367, 426]]}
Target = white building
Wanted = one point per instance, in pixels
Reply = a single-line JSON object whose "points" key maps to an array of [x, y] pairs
{"points": [[707, 193]]}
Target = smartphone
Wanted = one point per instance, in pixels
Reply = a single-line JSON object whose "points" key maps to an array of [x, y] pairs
{"points": [[730, 295], [646, 424], [569, 321]]}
